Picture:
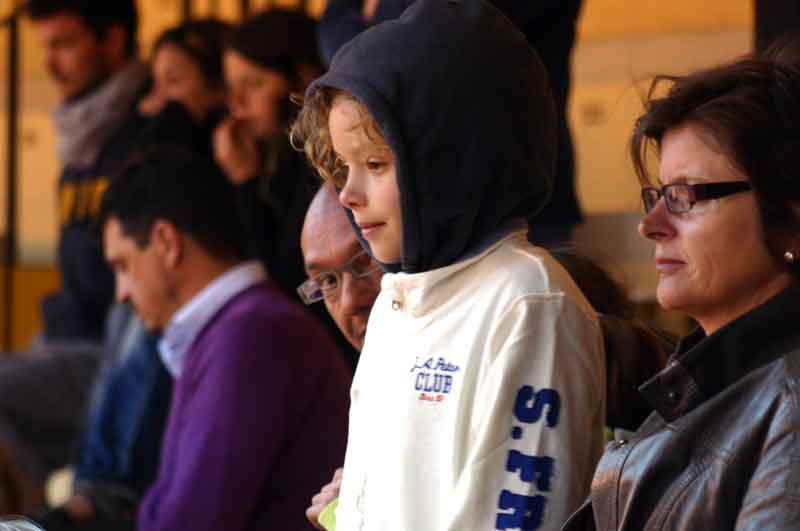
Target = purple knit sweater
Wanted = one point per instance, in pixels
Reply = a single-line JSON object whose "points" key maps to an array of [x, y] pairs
{"points": [[257, 424]]}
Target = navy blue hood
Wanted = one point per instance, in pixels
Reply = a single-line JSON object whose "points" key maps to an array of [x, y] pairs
{"points": [[464, 103]]}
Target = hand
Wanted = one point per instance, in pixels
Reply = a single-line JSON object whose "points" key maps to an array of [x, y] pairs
{"points": [[236, 150], [152, 104], [368, 9], [328, 493]]}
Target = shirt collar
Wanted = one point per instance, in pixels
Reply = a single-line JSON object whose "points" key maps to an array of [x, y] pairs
{"points": [[420, 293], [702, 366], [187, 323]]}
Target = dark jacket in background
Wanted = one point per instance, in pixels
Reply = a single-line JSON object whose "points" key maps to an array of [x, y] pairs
{"points": [[272, 207], [722, 449], [549, 26], [774, 19], [118, 456], [78, 310]]}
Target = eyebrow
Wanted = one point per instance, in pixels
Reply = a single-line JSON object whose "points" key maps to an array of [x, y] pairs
{"points": [[683, 178], [370, 149], [314, 265]]}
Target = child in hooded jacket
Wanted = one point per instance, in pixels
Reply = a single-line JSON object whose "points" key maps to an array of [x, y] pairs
{"points": [[479, 398]]}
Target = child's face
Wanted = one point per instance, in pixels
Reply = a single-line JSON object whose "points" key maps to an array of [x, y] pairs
{"points": [[370, 190]]}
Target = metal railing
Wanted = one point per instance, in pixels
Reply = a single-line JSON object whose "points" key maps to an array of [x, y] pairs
{"points": [[11, 24]]}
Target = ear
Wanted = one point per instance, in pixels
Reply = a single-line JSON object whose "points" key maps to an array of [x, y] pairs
{"points": [[169, 243]]}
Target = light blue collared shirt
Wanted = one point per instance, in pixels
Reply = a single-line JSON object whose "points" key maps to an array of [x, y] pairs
{"points": [[187, 323]]}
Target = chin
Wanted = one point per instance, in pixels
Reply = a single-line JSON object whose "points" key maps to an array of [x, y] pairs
{"points": [[152, 327], [385, 257], [669, 300]]}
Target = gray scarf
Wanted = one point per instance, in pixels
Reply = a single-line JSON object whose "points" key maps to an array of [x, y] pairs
{"points": [[85, 125]]}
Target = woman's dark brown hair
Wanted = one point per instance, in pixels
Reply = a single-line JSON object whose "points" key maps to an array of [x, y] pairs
{"points": [[204, 41], [750, 109]]}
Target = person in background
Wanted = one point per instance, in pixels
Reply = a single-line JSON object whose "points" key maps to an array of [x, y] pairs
{"points": [[720, 450], [270, 57], [258, 415], [635, 351], [90, 52], [186, 69], [117, 458], [550, 28], [341, 273]]}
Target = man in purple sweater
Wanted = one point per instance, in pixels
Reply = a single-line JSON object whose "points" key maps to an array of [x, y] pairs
{"points": [[259, 409]]}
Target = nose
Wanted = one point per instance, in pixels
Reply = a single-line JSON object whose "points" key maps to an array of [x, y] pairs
{"points": [[657, 224], [52, 65], [236, 102], [352, 195], [122, 291]]}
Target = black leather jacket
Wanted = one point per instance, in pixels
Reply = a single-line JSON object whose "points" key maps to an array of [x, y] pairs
{"points": [[722, 448]]}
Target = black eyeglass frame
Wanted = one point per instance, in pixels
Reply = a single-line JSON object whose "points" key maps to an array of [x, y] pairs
{"points": [[695, 192]]}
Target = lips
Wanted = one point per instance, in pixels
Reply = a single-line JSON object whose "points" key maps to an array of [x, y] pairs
{"points": [[369, 228], [667, 266]]}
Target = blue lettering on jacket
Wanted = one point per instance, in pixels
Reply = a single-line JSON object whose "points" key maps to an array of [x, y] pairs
{"points": [[434, 379], [538, 401], [434, 364], [527, 513], [531, 468], [429, 382]]}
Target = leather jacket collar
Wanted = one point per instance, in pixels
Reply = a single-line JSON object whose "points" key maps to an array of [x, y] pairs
{"points": [[704, 365]]}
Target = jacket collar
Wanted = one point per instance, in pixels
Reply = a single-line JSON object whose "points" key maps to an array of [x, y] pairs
{"points": [[414, 293], [704, 365]]}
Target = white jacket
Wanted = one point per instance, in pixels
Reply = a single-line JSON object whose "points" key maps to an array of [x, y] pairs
{"points": [[479, 398]]}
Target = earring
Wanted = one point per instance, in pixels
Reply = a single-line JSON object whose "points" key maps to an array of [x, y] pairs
{"points": [[790, 257]]}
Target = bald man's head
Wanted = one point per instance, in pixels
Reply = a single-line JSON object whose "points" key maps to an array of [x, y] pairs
{"points": [[329, 245]]}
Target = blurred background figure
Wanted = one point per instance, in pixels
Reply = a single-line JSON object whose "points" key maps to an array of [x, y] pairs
{"points": [[259, 407], [186, 68], [270, 57], [118, 455], [775, 19], [635, 351], [90, 54]]}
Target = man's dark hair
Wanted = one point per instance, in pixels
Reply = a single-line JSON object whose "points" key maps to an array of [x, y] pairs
{"points": [[751, 109], [99, 15], [177, 185]]}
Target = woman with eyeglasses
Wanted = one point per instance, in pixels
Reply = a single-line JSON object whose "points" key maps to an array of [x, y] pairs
{"points": [[721, 450]]}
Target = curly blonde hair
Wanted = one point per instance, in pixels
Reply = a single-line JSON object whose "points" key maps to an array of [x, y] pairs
{"points": [[310, 132]]}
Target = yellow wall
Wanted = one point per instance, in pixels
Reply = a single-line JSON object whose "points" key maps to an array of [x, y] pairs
{"points": [[30, 285], [618, 19]]}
